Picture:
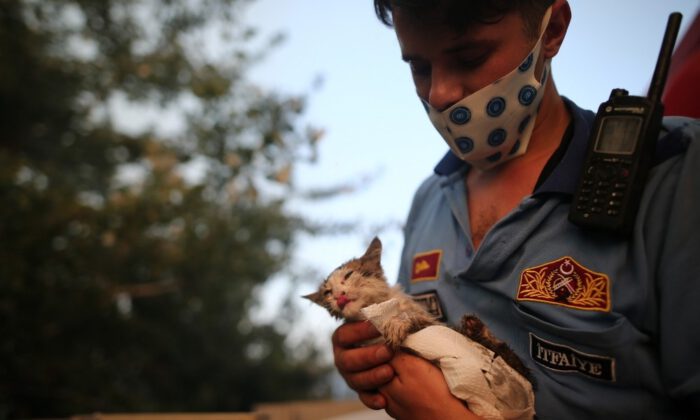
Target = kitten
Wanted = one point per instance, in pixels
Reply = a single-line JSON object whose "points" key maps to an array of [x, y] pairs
{"points": [[360, 282]]}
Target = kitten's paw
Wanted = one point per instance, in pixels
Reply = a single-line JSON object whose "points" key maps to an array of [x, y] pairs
{"points": [[474, 328], [396, 331], [477, 331], [393, 344]]}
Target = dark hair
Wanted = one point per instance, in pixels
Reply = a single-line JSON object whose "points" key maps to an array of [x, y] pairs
{"points": [[462, 13]]}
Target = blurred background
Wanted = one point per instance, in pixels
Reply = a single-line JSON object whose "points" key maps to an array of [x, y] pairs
{"points": [[175, 174]]}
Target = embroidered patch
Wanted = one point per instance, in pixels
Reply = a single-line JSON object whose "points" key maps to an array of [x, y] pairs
{"points": [[566, 359], [426, 266], [567, 283], [431, 302]]}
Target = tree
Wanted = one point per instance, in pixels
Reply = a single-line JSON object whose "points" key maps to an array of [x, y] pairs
{"points": [[128, 258]]}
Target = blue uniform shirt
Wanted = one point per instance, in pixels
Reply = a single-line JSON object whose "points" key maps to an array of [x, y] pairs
{"points": [[609, 326]]}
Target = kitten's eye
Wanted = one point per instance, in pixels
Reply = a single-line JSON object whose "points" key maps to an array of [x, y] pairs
{"points": [[326, 293], [348, 274]]}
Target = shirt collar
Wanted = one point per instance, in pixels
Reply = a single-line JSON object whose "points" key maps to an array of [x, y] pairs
{"points": [[564, 177]]}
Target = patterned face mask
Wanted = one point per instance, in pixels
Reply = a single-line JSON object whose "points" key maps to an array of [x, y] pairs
{"points": [[494, 124]]}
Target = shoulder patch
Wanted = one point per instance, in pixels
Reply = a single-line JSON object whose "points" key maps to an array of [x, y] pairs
{"points": [[565, 282], [566, 359], [426, 266]]}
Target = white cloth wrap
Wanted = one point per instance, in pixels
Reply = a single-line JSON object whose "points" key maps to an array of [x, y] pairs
{"points": [[491, 388]]}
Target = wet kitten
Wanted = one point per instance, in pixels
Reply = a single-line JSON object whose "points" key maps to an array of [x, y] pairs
{"points": [[360, 282]]}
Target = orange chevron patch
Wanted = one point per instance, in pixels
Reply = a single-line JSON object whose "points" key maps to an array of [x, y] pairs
{"points": [[426, 266], [567, 283]]}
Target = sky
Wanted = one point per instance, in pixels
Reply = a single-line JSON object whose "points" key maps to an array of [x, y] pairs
{"points": [[377, 133]]}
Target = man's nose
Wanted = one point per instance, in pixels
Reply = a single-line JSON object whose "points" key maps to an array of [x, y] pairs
{"points": [[445, 90]]}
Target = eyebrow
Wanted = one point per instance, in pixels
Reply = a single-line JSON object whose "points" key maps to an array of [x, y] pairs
{"points": [[410, 57]]}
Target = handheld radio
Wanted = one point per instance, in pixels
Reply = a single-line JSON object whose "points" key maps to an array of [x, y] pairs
{"points": [[621, 150]]}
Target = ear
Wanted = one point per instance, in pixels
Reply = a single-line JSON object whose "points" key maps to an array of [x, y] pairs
{"points": [[556, 29], [315, 297], [374, 250], [372, 257]]}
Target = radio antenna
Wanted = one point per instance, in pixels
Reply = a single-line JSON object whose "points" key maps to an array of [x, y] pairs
{"points": [[658, 80]]}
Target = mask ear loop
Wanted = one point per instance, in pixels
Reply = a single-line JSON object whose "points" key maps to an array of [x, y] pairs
{"points": [[545, 20], [543, 28]]}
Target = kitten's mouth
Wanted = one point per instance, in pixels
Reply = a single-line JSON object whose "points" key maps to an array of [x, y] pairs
{"points": [[342, 300]]}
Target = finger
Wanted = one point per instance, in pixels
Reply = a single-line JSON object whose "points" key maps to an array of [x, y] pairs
{"points": [[373, 400], [370, 380], [352, 333], [389, 388], [361, 358]]}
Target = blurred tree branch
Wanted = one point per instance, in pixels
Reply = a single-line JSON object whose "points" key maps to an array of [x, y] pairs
{"points": [[125, 280]]}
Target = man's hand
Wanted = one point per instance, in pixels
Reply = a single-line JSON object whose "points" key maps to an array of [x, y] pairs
{"points": [[364, 368], [419, 391], [407, 386]]}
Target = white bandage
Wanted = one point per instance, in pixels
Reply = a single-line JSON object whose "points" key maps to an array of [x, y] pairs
{"points": [[491, 388]]}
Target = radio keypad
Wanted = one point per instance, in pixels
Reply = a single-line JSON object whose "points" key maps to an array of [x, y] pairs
{"points": [[604, 186]]}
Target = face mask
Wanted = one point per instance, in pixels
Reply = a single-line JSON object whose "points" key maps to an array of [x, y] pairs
{"points": [[494, 124]]}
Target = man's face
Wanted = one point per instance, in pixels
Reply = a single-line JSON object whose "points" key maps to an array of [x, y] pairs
{"points": [[448, 65]]}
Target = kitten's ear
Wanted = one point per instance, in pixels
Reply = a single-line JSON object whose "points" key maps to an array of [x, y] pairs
{"points": [[374, 250], [373, 255], [315, 297]]}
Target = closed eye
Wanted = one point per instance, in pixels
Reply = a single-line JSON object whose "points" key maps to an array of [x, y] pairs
{"points": [[349, 273], [418, 65], [419, 69], [472, 62]]}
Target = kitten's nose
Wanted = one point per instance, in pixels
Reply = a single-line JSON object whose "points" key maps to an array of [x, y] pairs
{"points": [[342, 300]]}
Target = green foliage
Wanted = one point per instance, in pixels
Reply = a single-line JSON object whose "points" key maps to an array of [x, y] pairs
{"points": [[126, 285]]}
